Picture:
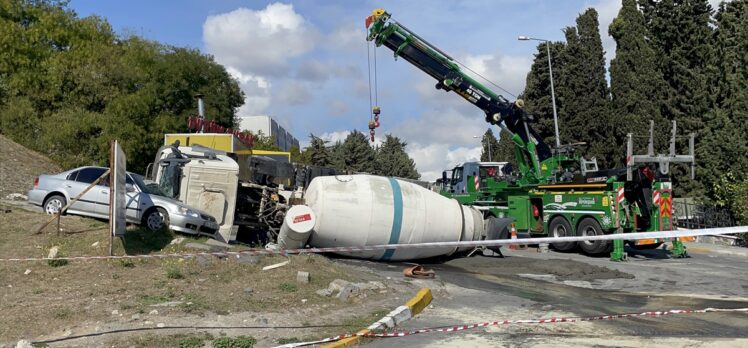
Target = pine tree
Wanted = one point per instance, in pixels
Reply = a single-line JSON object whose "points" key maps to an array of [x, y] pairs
{"points": [[317, 152], [358, 155], [537, 94], [505, 149], [337, 156], [392, 160], [636, 83], [585, 96], [490, 146]]}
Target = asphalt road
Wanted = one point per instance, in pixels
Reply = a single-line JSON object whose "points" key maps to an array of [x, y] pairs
{"points": [[527, 285]]}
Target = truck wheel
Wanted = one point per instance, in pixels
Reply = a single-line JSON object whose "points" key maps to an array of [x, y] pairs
{"points": [[559, 227], [53, 204], [590, 227]]}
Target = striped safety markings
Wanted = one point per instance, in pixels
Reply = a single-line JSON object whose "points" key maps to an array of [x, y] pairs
{"points": [[458, 328]]}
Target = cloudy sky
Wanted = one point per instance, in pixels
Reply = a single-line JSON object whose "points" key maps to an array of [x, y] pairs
{"points": [[305, 62]]}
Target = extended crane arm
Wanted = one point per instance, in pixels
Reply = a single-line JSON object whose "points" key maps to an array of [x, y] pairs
{"points": [[431, 60]]}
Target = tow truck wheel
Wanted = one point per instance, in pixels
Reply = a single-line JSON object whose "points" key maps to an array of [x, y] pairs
{"points": [[559, 227], [590, 227]]}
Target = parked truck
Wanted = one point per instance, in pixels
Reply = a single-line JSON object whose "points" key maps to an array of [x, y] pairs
{"points": [[554, 191]]}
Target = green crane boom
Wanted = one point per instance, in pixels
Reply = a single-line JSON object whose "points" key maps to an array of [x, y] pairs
{"points": [[531, 150]]}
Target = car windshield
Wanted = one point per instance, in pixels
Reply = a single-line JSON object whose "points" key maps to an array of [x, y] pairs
{"points": [[150, 188]]}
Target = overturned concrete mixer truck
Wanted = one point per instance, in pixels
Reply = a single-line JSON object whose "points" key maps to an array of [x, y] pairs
{"points": [[365, 210]]}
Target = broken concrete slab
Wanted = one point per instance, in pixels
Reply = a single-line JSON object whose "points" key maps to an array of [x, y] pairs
{"points": [[347, 292], [249, 259], [53, 251], [219, 244], [197, 246], [302, 277], [176, 241]]}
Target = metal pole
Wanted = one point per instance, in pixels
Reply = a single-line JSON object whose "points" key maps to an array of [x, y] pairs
{"points": [[489, 149], [553, 93]]}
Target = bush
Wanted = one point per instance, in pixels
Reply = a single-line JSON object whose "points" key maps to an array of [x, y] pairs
{"points": [[236, 342]]}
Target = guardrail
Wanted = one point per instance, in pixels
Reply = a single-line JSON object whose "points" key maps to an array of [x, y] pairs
{"points": [[694, 216]]}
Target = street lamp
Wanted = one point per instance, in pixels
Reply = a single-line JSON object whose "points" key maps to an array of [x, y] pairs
{"points": [[553, 93], [489, 146]]}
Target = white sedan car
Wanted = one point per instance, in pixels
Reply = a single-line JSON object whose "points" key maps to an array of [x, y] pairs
{"points": [[144, 204]]}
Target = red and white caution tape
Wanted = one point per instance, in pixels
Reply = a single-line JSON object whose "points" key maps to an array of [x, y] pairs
{"points": [[457, 328], [463, 244]]}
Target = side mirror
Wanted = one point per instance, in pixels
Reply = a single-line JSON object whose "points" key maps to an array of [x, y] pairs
{"points": [[129, 188], [444, 176]]}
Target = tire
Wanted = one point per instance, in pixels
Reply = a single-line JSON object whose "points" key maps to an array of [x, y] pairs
{"points": [[53, 204], [559, 227], [590, 227], [156, 219]]}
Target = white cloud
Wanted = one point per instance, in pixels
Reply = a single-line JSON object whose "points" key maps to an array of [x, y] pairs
{"points": [[433, 158], [314, 70], [256, 90], [338, 107], [257, 45], [293, 93], [260, 42], [348, 38]]}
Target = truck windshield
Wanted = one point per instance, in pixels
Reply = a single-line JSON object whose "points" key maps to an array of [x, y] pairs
{"points": [[169, 181]]}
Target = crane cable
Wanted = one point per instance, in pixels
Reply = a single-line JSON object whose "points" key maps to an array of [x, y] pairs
{"points": [[373, 106]]}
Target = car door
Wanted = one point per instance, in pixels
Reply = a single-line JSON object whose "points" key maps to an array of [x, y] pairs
{"points": [[89, 203], [133, 197]]}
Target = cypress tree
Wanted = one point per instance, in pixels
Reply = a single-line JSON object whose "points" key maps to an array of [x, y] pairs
{"points": [[505, 149], [636, 83], [357, 154], [682, 38], [392, 160], [489, 141], [585, 96], [722, 157]]}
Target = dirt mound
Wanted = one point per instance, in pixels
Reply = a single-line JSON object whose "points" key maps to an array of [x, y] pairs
{"points": [[19, 166]]}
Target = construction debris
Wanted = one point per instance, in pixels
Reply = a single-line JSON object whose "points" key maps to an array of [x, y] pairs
{"points": [[419, 271], [266, 268]]}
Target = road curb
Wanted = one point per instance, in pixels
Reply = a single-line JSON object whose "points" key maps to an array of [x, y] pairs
{"points": [[413, 307]]}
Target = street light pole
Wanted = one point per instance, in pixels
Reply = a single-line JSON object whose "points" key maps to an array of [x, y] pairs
{"points": [[489, 145], [553, 92]]}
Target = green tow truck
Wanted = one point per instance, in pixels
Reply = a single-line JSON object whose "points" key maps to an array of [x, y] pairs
{"points": [[553, 192]]}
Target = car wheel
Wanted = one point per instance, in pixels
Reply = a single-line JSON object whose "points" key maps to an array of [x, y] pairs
{"points": [[590, 227], [54, 204], [559, 227], [156, 219]]}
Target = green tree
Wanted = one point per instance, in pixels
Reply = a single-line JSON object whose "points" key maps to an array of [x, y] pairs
{"points": [[636, 83], [505, 149], [585, 96], [392, 160], [75, 76], [489, 146], [318, 153], [682, 36], [357, 154], [722, 157]]}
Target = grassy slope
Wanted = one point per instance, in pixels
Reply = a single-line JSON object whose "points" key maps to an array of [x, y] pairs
{"points": [[19, 166], [84, 293]]}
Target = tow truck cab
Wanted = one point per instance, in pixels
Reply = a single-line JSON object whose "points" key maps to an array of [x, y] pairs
{"points": [[457, 182]]}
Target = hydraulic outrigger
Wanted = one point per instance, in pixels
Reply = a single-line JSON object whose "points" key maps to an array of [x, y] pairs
{"points": [[555, 191]]}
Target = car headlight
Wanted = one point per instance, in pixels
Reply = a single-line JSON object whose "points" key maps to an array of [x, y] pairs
{"points": [[188, 212]]}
